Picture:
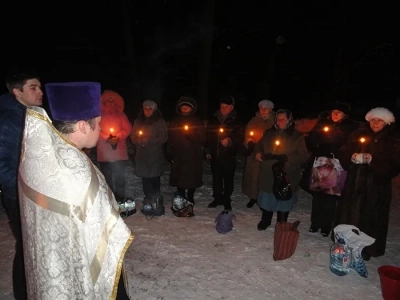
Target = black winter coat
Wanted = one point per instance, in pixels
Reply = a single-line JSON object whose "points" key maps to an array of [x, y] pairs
{"points": [[327, 143], [367, 194], [12, 118], [185, 151], [231, 128]]}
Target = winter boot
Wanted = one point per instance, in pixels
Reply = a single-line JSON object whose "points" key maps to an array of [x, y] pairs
{"points": [[365, 255], [325, 232], [190, 195], [251, 203], [217, 201], [227, 203], [265, 220], [282, 216]]}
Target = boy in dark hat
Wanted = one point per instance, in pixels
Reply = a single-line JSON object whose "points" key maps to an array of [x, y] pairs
{"points": [[224, 138], [68, 212]]}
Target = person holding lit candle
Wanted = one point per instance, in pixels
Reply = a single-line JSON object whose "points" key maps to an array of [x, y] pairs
{"points": [[149, 155], [263, 120], [291, 152], [371, 156], [112, 153], [184, 149], [325, 140], [221, 149]]}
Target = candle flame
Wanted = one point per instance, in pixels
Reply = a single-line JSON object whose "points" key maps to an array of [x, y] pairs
{"points": [[111, 130], [140, 132], [326, 128], [362, 140], [251, 133], [277, 143], [186, 127], [221, 130]]}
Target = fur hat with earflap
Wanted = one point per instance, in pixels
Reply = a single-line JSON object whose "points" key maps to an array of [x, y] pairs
{"points": [[341, 106], [229, 100], [188, 101]]}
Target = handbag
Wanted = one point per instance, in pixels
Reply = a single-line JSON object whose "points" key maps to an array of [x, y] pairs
{"points": [[285, 239], [281, 185], [327, 176]]}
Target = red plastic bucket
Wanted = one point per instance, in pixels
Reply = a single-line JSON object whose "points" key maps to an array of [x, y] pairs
{"points": [[390, 282]]}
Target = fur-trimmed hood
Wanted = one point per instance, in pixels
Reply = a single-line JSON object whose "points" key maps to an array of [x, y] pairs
{"points": [[119, 101]]}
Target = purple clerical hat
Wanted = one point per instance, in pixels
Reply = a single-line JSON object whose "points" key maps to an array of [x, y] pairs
{"points": [[74, 101]]}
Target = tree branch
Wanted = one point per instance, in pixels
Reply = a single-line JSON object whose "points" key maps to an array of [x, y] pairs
{"points": [[370, 52]]}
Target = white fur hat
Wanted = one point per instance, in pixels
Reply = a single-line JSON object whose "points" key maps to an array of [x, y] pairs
{"points": [[380, 113], [266, 103]]}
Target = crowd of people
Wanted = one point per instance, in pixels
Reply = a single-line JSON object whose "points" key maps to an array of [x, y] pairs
{"points": [[64, 212]]}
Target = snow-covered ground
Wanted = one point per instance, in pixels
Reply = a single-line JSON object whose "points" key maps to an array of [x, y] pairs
{"points": [[176, 258]]}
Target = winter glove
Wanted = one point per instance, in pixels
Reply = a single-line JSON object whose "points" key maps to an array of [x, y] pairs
{"points": [[113, 141], [281, 158], [361, 158], [188, 136], [143, 141], [268, 156], [324, 149], [250, 148]]}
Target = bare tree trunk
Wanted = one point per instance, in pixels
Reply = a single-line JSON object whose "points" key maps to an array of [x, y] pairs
{"points": [[270, 71], [272, 64], [205, 60], [337, 89]]}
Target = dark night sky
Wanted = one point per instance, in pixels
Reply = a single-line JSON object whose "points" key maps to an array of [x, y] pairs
{"points": [[69, 42]]}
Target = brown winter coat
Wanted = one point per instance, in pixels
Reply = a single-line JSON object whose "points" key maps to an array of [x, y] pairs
{"points": [[367, 194], [293, 145], [257, 125]]}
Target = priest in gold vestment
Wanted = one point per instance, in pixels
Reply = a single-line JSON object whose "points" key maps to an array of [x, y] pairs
{"points": [[74, 239]]}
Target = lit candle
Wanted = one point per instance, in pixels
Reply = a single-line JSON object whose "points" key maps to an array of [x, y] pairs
{"points": [[221, 130], [251, 133], [111, 132], [362, 141], [326, 128], [186, 127], [140, 132], [277, 142], [111, 137]]}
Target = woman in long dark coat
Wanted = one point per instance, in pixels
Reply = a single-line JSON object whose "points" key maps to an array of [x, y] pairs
{"points": [[281, 143], [262, 121], [149, 134], [185, 146], [372, 158], [325, 140]]}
